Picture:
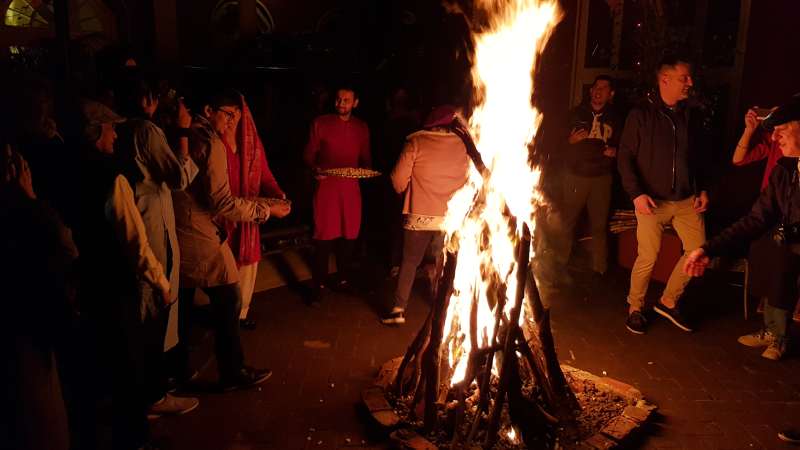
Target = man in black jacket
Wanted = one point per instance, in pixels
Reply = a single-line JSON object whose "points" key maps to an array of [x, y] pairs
{"points": [[777, 211], [589, 158], [661, 163]]}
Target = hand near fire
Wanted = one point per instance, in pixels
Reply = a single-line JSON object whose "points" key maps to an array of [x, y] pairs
{"points": [[610, 152], [644, 204], [696, 263]]}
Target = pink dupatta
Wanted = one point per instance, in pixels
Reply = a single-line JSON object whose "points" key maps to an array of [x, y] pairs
{"points": [[254, 180]]}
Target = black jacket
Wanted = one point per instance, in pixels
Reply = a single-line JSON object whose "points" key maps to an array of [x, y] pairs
{"points": [[777, 276], [778, 203], [663, 152], [585, 158]]}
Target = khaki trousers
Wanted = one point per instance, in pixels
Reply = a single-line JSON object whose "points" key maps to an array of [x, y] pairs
{"points": [[691, 230], [247, 282]]}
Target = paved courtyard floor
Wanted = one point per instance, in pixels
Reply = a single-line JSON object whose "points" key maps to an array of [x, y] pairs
{"points": [[712, 392]]}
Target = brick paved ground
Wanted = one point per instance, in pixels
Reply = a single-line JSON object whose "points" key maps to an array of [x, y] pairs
{"points": [[712, 392]]}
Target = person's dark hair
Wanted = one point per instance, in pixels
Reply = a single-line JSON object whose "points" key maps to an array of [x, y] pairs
{"points": [[671, 61], [347, 87], [611, 83], [225, 97], [135, 88]]}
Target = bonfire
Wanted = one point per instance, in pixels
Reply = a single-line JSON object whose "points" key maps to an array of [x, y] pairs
{"points": [[483, 367]]}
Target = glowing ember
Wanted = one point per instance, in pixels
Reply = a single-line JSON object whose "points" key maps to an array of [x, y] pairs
{"points": [[511, 434], [503, 125]]}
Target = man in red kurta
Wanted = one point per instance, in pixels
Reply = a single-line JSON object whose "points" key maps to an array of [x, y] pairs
{"points": [[335, 141]]}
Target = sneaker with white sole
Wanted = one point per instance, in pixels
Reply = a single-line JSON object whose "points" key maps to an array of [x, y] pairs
{"points": [[775, 350], [760, 338], [791, 435], [674, 315], [636, 322], [396, 317], [171, 405]]}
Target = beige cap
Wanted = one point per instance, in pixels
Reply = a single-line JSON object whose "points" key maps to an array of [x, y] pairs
{"points": [[95, 114]]}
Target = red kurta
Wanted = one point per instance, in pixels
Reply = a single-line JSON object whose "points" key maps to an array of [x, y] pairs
{"points": [[765, 147], [333, 143]]}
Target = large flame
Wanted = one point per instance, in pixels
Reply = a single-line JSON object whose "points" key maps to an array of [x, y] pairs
{"points": [[503, 125]]}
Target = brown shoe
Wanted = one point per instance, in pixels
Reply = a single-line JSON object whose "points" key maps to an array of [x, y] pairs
{"points": [[171, 405]]}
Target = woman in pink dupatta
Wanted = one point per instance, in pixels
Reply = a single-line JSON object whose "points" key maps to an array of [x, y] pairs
{"points": [[249, 176]]}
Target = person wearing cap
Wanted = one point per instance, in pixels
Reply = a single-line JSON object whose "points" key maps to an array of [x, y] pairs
{"points": [[776, 211], [115, 256], [747, 152], [664, 169], [432, 166]]}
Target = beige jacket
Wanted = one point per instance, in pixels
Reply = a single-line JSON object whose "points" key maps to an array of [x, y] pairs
{"points": [[206, 258], [432, 167]]}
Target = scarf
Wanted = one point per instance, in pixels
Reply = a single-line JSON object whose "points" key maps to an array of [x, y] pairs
{"points": [[245, 236]]}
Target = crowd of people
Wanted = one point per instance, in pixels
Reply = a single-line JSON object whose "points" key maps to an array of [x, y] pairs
{"points": [[164, 196]]}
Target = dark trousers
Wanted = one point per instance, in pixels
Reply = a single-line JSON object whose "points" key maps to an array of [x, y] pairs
{"points": [[415, 245], [139, 378], [226, 304], [594, 194], [322, 254]]}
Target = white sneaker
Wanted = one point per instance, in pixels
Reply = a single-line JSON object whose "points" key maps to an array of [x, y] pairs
{"points": [[776, 350], [760, 338], [396, 317]]}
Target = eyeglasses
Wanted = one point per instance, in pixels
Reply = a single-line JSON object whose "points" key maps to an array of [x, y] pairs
{"points": [[228, 114]]}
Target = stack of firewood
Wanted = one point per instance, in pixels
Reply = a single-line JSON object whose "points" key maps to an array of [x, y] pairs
{"points": [[622, 220]]}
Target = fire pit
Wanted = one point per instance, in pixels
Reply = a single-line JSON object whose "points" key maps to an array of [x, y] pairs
{"points": [[482, 370]]}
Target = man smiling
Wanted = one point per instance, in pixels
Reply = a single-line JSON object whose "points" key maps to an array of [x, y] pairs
{"points": [[662, 167], [778, 210]]}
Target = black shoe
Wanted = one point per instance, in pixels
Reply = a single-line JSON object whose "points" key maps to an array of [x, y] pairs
{"points": [[342, 286], [315, 299], [181, 381], [248, 324], [636, 323], [791, 436], [245, 378], [674, 315]]}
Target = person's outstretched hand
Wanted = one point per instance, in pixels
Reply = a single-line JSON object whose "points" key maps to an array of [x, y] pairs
{"points": [[696, 263], [279, 210]]}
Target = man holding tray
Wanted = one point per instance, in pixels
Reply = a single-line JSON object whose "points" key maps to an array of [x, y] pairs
{"points": [[336, 141]]}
